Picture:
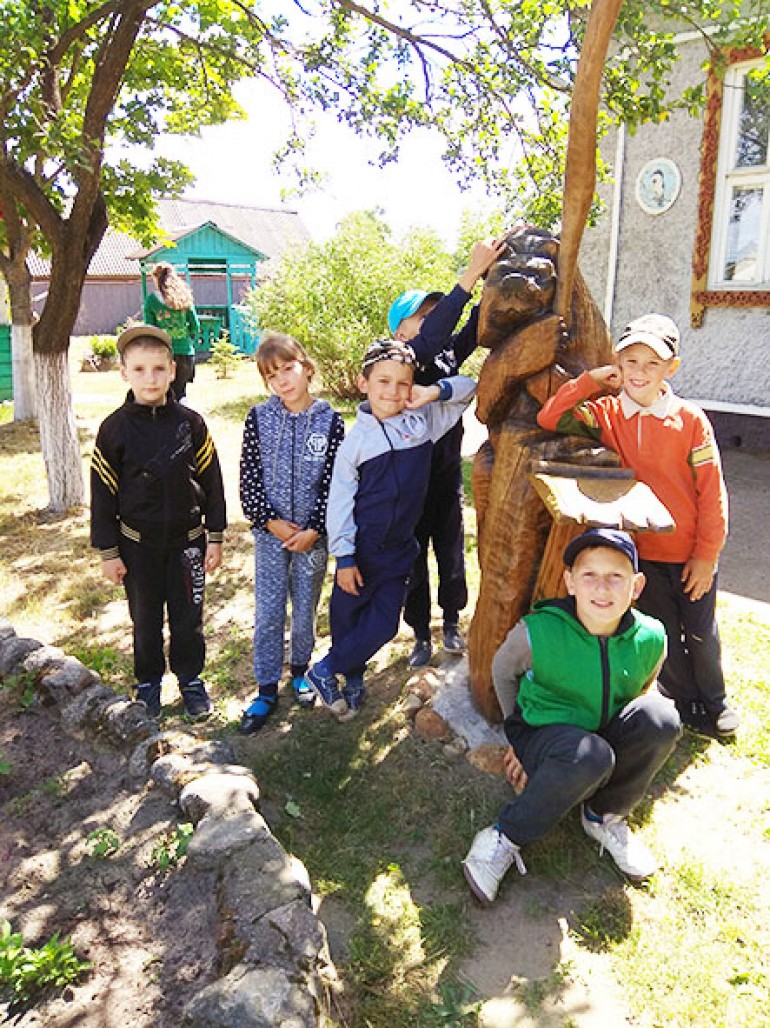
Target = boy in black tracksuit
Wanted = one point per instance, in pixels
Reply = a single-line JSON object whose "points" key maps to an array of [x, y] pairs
{"points": [[426, 321], [156, 492]]}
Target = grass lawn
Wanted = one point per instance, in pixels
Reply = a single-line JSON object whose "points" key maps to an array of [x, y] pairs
{"points": [[382, 820]]}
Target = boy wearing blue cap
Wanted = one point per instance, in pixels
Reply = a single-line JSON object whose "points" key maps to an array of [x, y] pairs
{"points": [[376, 496], [426, 322], [573, 678]]}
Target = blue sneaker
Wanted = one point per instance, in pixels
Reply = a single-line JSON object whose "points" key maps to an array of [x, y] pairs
{"points": [[303, 691], [149, 694], [326, 688], [354, 693]]}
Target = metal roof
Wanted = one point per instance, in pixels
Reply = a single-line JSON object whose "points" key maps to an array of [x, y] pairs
{"points": [[270, 230]]}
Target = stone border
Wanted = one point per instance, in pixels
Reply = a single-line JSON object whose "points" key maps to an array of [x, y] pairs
{"points": [[276, 970]]}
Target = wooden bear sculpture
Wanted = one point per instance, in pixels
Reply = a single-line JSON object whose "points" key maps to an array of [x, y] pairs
{"points": [[530, 356]]}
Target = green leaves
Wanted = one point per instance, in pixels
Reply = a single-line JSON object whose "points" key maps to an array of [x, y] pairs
{"points": [[26, 972]]}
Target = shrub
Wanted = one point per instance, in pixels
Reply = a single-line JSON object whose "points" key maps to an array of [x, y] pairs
{"points": [[104, 347], [26, 972], [225, 357]]}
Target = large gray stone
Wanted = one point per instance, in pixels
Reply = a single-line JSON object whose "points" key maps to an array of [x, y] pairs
{"points": [[13, 650], [44, 658], [252, 997], [173, 771], [281, 879], [224, 792], [201, 751], [63, 681], [127, 720], [83, 710], [216, 836]]}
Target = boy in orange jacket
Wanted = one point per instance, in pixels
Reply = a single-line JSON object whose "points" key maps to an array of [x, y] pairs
{"points": [[669, 444]]}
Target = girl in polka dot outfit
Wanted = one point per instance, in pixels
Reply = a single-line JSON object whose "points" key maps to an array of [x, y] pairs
{"points": [[289, 445]]}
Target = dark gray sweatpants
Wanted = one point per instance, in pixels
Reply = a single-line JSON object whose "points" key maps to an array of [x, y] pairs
{"points": [[566, 765]]}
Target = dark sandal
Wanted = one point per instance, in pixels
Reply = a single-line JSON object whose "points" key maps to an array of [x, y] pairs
{"points": [[255, 715]]}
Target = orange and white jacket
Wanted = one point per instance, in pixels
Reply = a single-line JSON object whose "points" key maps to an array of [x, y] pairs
{"points": [[670, 446]]}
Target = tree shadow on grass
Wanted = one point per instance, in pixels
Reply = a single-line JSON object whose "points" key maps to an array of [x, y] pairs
{"points": [[382, 820]]}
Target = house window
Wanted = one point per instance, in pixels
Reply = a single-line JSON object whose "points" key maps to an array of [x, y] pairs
{"points": [[740, 251], [731, 256]]}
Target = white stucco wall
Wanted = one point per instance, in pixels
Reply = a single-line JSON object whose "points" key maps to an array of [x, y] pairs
{"points": [[728, 359]]}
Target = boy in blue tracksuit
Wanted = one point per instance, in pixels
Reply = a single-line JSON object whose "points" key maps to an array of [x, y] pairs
{"points": [[376, 498], [426, 322]]}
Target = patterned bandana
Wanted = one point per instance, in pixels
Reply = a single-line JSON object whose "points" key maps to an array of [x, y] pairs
{"points": [[388, 350]]}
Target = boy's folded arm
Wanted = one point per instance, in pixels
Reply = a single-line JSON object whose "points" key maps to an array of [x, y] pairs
{"points": [[455, 395], [438, 326], [560, 414]]}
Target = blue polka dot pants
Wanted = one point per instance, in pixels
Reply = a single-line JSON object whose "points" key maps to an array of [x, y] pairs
{"points": [[280, 576]]}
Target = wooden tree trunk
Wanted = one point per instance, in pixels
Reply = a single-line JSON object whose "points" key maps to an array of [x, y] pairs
{"points": [[522, 372], [513, 524], [58, 435]]}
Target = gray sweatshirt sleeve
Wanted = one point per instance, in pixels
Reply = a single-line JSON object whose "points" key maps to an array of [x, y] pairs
{"points": [[512, 660], [340, 522], [455, 395]]}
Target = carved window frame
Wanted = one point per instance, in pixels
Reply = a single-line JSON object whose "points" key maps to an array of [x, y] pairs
{"points": [[714, 186]]}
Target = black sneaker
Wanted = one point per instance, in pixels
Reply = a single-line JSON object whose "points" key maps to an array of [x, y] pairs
{"points": [[196, 700], [453, 640], [421, 653], [698, 719], [149, 694]]}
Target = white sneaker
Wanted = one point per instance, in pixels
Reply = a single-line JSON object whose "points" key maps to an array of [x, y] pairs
{"points": [[628, 851], [490, 856]]}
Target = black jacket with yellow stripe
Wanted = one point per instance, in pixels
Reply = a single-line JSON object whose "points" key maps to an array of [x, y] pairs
{"points": [[155, 478]]}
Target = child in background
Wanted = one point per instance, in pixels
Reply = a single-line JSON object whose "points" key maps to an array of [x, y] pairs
{"points": [[289, 446], [669, 445], [573, 679], [377, 494], [156, 492], [426, 322], [174, 311]]}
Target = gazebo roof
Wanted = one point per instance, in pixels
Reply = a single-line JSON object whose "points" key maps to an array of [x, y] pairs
{"points": [[197, 243]]}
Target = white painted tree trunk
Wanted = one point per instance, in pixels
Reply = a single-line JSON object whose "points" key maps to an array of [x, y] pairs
{"points": [[23, 372], [58, 435]]}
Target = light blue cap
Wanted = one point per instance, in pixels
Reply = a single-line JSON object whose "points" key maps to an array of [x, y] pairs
{"points": [[406, 305]]}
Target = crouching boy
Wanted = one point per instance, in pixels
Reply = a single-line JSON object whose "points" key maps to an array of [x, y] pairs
{"points": [[573, 678], [377, 495]]}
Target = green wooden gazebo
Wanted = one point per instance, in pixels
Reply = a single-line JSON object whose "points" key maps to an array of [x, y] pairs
{"points": [[219, 268]]}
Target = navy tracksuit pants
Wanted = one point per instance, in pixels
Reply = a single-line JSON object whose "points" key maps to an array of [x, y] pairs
{"points": [[441, 525], [361, 625]]}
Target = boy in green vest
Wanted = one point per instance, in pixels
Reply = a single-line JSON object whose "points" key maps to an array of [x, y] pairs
{"points": [[573, 679]]}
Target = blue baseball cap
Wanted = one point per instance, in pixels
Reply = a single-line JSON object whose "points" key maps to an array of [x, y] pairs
{"points": [[610, 537], [406, 305]]}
